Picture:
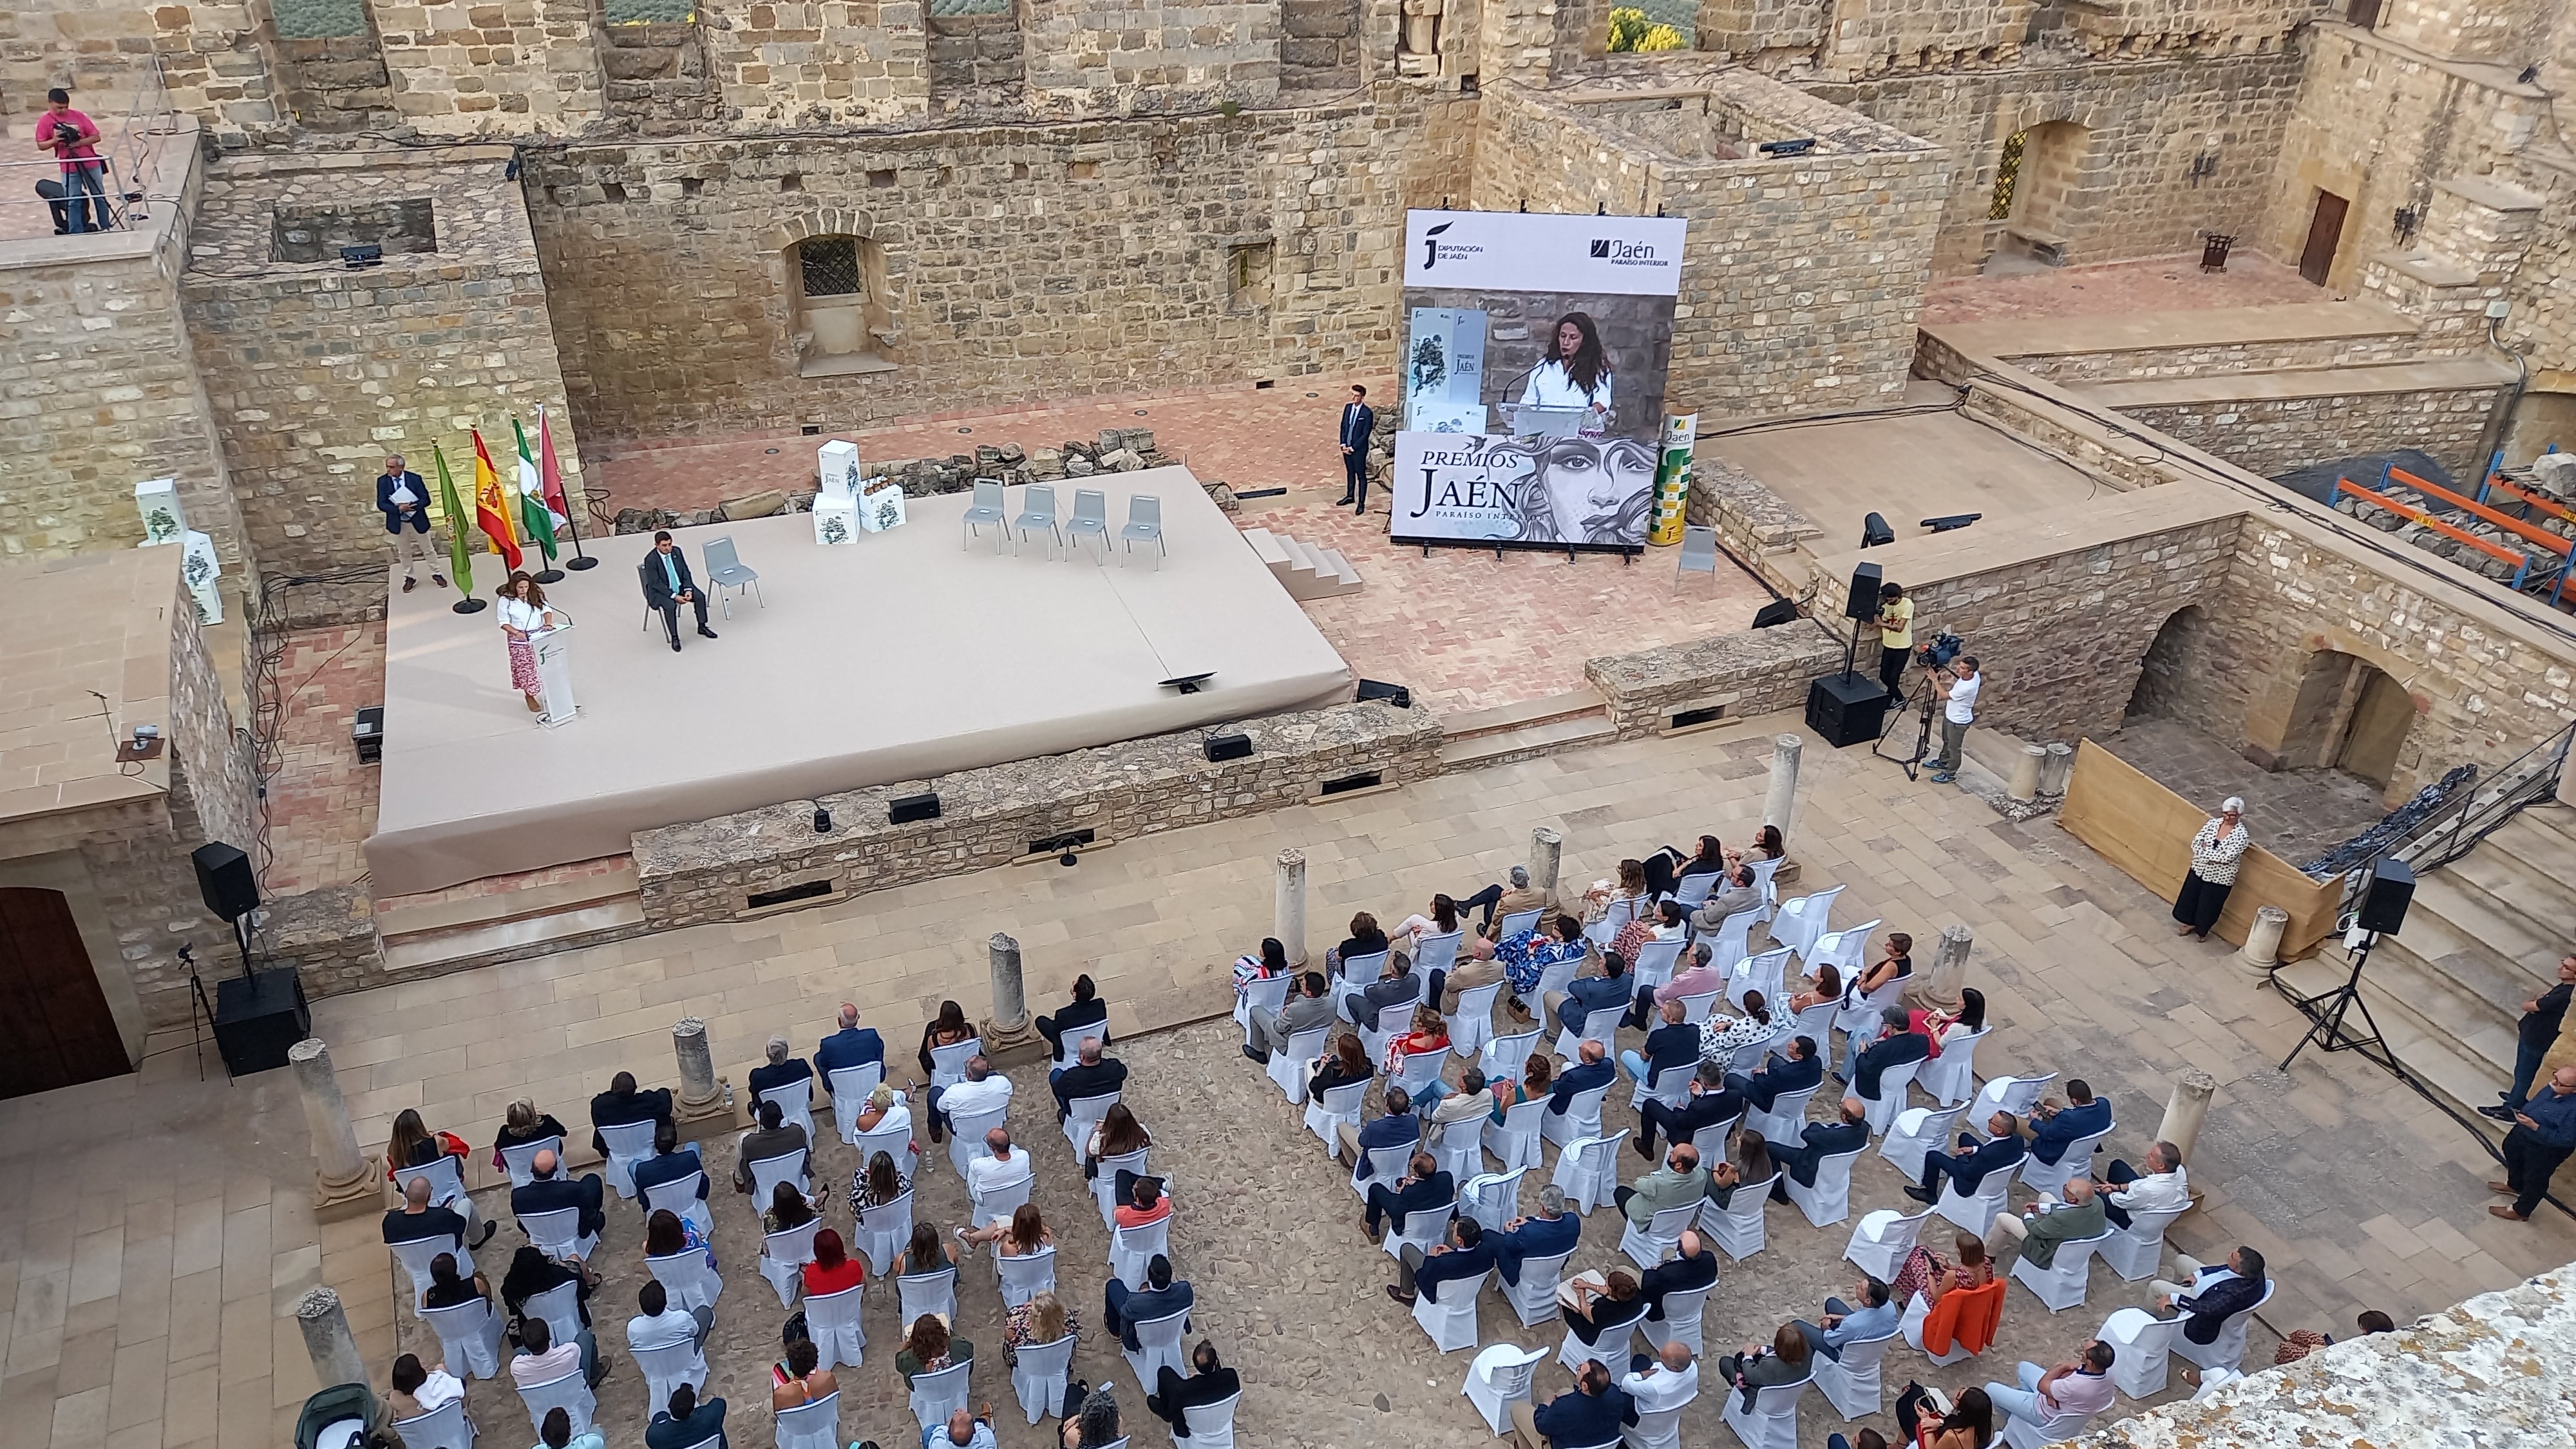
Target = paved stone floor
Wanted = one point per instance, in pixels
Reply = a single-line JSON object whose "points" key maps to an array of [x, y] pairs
{"points": [[2156, 284], [2295, 814], [143, 1267]]}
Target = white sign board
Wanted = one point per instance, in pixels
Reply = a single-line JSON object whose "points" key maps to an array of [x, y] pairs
{"points": [[1536, 252]]}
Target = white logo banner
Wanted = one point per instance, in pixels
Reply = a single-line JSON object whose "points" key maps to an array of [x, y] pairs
{"points": [[1539, 252]]}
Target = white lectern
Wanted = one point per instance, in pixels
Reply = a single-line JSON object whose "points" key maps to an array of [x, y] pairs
{"points": [[554, 675]]}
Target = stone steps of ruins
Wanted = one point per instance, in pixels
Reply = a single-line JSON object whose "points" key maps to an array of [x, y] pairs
{"points": [[1523, 729], [506, 918], [1306, 571]]}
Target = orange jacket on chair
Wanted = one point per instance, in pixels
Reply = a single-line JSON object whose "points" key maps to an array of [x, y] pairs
{"points": [[1968, 1316]]}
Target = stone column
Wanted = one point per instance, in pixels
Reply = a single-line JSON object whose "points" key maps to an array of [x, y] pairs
{"points": [[702, 1093], [2025, 775], [1782, 800], [344, 1178], [327, 1338], [2263, 940], [2059, 769], [1940, 986], [1008, 1034], [1547, 857], [1288, 906], [2186, 1110]]}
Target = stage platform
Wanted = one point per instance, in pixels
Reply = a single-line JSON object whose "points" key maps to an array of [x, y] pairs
{"points": [[899, 656]]}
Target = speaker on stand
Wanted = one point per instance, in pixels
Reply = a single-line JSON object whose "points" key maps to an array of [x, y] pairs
{"points": [[1846, 708], [258, 1014]]}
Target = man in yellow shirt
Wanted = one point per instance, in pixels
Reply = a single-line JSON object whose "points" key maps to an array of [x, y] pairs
{"points": [[1895, 635]]}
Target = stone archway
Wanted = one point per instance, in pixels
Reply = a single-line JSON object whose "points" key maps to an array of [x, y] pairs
{"points": [[2164, 672], [2348, 714]]}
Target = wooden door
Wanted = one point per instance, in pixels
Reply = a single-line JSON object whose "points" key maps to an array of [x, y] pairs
{"points": [[55, 1029], [2325, 229]]}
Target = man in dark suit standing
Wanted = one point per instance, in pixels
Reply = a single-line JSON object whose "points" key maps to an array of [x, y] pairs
{"points": [[1359, 423], [668, 584], [404, 501]]}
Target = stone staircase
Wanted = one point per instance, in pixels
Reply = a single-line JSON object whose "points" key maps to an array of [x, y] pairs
{"points": [[2483, 935], [509, 918], [1307, 572], [1525, 730]]}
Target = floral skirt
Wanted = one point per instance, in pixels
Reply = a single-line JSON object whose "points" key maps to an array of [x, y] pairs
{"points": [[523, 668]]}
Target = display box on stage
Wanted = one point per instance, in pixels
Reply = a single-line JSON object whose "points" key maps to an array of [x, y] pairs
{"points": [[882, 508], [836, 519]]}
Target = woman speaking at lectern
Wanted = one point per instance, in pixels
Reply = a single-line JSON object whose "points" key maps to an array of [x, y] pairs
{"points": [[1575, 373], [524, 612]]}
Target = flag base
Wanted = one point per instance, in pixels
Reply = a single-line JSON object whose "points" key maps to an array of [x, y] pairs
{"points": [[468, 605], [585, 561], [550, 576]]}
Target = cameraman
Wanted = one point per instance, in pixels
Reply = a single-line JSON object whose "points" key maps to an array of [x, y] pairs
{"points": [[1959, 690], [73, 138], [1895, 636]]}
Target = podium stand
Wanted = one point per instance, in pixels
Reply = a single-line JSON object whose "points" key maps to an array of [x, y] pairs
{"points": [[554, 675]]}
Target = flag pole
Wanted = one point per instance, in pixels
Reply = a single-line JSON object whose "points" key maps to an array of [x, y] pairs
{"points": [[460, 558], [572, 511]]}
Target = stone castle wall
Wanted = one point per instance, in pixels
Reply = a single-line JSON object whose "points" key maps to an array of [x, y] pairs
{"points": [[1755, 672], [2271, 436]]}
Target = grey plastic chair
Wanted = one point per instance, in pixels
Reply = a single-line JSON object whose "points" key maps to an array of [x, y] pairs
{"points": [[1699, 554], [1144, 521], [988, 508], [1090, 516], [1037, 510], [726, 571]]}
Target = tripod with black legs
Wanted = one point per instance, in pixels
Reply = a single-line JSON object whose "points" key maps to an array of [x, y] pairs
{"points": [[1912, 764]]}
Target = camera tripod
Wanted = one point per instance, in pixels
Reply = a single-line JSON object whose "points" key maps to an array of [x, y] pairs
{"points": [[1911, 764]]}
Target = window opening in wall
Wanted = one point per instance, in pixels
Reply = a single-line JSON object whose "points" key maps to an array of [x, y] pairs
{"points": [[650, 12], [2362, 13], [842, 324], [2007, 173], [317, 233], [1651, 26], [830, 265], [1247, 275]]}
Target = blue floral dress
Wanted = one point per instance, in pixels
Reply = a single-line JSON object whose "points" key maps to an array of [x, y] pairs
{"points": [[1526, 955]]}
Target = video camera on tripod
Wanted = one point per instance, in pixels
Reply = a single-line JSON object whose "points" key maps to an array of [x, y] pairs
{"points": [[1934, 653], [1939, 651]]}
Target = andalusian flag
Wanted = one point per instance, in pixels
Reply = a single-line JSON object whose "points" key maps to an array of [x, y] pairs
{"points": [[492, 506], [534, 519], [459, 562]]}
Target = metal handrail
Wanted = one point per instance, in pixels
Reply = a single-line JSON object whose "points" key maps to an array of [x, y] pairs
{"points": [[2525, 780], [131, 156]]}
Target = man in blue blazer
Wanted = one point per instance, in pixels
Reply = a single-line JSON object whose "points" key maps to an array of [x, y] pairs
{"points": [[1967, 1168], [852, 1046], [1553, 1231], [1423, 1187], [1591, 1413], [2083, 1115], [1159, 1298], [1359, 421], [668, 584], [1587, 994], [1466, 1255], [404, 501], [1594, 1070], [1780, 1076], [1820, 1141], [548, 1189]]}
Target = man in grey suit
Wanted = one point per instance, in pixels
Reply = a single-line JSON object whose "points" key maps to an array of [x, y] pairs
{"points": [[1394, 983], [1306, 1008]]}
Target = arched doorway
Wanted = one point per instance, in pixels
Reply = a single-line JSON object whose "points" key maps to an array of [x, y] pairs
{"points": [[2163, 672], [55, 1029], [2349, 715]]}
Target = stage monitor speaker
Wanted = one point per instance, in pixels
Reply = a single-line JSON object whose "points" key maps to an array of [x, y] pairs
{"points": [[1862, 601], [224, 878], [1227, 747], [1846, 708], [1396, 694], [2385, 894], [257, 1017], [1776, 612], [907, 808]]}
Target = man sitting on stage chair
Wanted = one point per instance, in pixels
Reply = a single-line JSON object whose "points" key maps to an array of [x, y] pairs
{"points": [[668, 584]]}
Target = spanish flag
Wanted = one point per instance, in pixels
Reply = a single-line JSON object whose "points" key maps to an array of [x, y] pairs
{"points": [[492, 506]]}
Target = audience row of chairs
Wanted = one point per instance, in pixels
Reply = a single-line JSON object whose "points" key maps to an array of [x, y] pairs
{"points": [[1090, 519]]}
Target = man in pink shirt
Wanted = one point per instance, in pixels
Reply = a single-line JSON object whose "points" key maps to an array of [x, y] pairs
{"points": [[73, 138], [1699, 979]]}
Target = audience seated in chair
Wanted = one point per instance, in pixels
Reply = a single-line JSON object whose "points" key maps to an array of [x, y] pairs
{"points": [[1699, 976], [1345, 1062], [1597, 1303], [1116, 1134], [447, 1287], [541, 1360], [1544, 1234], [2162, 1187], [416, 1220], [1630, 886], [1710, 1102], [983, 1090], [774, 1137], [1423, 1186], [924, 1252], [672, 1160], [2040, 1226], [1427, 1032], [1843, 1324], [1592, 1070], [622, 1104], [1526, 955], [521, 1124], [2053, 1128], [1592, 1412], [851, 1046], [1084, 1014], [686, 1422], [1781, 1074], [1969, 1424], [1394, 984], [549, 1190], [2208, 1296], [928, 1347], [1735, 893], [412, 1144], [1306, 1007], [1537, 1080], [1849, 1132], [1269, 965], [1464, 1254], [1927, 1272], [532, 1272], [659, 1325], [1896, 1045], [1024, 1231], [1441, 1104], [1942, 1024], [801, 1380], [963, 1430], [1895, 961], [1666, 1379], [1567, 1010], [788, 1208], [1141, 1201], [1208, 1382], [1693, 1266], [998, 1166], [1509, 900], [1752, 1164], [1041, 1320], [1673, 1044], [1365, 939], [1397, 1126], [1722, 1036], [778, 1069], [1162, 1296], [835, 1268], [1663, 921], [1823, 984], [875, 1186], [1757, 1368], [2073, 1389], [1680, 1181], [1091, 1074], [1474, 967], [419, 1390], [666, 1232], [1967, 1168], [556, 1433]]}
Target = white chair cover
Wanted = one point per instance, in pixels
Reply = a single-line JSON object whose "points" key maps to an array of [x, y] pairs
{"points": [[1763, 870], [920, 1293], [516, 1160], [560, 1307], [1039, 1377], [1917, 1310], [1654, 963], [556, 1232], [1472, 1025], [680, 1195], [1084, 1113], [1498, 1379], [1617, 913], [937, 1395], [1882, 1238], [2061, 1284], [1787, 1119], [815, 1425], [1738, 1227], [416, 1256], [948, 1063], [1435, 952], [795, 1104], [1554, 977], [1004, 1199], [1816, 1023], [688, 1280], [1534, 1297], [1975, 1213], [1417, 1070], [1798, 923], [446, 1182], [568, 1393], [783, 1257], [1852, 1384], [1450, 1322], [1601, 1026], [966, 1134], [836, 1321], [1772, 1422], [2229, 1348], [1728, 946], [2021, 1433], [444, 1427], [2016, 1095], [1517, 922], [1845, 949], [1580, 1119], [1829, 1201], [1917, 1133], [1514, 1143], [1287, 1067], [1767, 973], [666, 1369], [1669, 1085], [1386, 1164], [1696, 1007], [1024, 1276], [1423, 1228], [1507, 1055], [1104, 1185], [1691, 890], [628, 1144], [1711, 1140], [1337, 1105], [1657, 1428], [1951, 1077], [883, 1232], [1748, 1057], [1392, 1019], [2051, 1177], [1587, 1169], [1610, 1349], [768, 1172], [1460, 1147], [470, 1335], [1212, 1425], [1255, 1002], [1158, 1347], [1891, 1097], [1683, 1311], [2134, 1251], [850, 1089], [2141, 1345], [1647, 1246], [1491, 1198], [1356, 974], [1130, 1249]]}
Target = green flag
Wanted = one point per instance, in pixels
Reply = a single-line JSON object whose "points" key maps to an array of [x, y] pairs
{"points": [[459, 561], [534, 521]]}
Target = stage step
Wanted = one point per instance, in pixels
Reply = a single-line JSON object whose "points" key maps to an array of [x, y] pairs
{"points": [[1528, 741], [1307, 572], [508, 918], [516, 938], [1468, 724]]}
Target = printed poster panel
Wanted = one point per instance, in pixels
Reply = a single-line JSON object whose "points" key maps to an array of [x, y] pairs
{"points": [[1564, 492]]}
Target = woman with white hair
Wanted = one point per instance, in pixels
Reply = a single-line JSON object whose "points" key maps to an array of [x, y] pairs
{"points": [[2216, 853]]}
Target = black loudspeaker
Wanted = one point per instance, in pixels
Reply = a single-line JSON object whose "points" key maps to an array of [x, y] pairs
{"points": [[1862, 601], [1396, 694], [368, 734], [2385, 894], [224, 878], [1846, 708], [257, 1017], [908, 808], [1227, 747], [1778, 611]]}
